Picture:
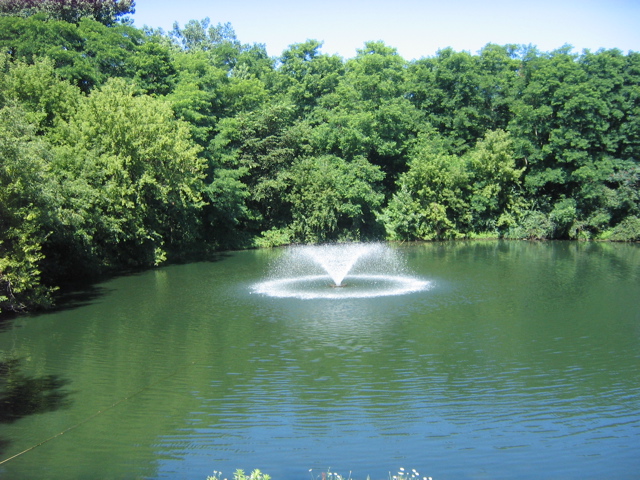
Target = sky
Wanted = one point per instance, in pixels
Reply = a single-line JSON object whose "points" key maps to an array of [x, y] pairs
{"points": [[416, 28]]}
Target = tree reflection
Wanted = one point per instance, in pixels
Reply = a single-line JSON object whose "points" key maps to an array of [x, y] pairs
{"points": [[22, 395]]}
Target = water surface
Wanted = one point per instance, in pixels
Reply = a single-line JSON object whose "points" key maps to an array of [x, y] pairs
{"points": [[520, 361]]}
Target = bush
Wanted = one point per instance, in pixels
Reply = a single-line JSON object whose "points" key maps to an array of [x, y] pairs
{"points": [[532, 226], [275, 237], [628, 230]]}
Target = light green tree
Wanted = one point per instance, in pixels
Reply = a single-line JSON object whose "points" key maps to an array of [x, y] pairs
{"points": [[28, 196], [495, 187], [134, 173]]}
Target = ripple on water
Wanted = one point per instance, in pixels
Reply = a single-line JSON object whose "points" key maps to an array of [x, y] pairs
{"points": [[355, 286]]}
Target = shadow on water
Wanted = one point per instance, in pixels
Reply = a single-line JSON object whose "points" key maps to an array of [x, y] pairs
{"points": [[84, 291], [6, 320], [22, 395], [72, 296]]}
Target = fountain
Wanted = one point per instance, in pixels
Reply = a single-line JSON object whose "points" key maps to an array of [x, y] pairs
{"points": [[361, 270]]}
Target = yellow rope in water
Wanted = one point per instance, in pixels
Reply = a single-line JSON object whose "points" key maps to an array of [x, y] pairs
{"points": [[99, 412]]}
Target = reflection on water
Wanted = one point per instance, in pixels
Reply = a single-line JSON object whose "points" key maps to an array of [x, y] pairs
{"points": [[520, 362], [22, 395]]}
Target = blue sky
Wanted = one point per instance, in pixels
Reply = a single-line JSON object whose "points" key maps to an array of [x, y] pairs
{"points": [[416, 28]]}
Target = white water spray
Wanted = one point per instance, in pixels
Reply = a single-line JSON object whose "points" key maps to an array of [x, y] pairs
{"points": [[362, 269], [338, 260]]}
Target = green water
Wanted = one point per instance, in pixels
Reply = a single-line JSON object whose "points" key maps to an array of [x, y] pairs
{"points": [[521, 361]]}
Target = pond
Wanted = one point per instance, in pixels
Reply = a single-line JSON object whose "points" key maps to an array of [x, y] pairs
{"points": [[510, 360]]}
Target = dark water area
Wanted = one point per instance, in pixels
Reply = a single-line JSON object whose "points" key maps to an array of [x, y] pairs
{"points": [[521, 360]]}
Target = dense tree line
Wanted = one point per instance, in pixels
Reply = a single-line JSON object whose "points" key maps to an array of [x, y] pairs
{"points": [[122, 147]]}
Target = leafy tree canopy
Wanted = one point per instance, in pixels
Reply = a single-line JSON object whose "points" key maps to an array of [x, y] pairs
{"points": [[121, 146], [103, 11]]}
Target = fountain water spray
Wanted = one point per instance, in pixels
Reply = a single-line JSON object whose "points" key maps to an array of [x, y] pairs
{"points": [[338, 260], [363, 269]]}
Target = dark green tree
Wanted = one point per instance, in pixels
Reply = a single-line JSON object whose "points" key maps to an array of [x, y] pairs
{"points": [[463, 95], [306, 75], [332, 199], [103, 11], [261, 145], [85, 54], [368, 115]]}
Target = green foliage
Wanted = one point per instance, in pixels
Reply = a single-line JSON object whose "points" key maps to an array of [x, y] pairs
{"points": [[262, 145], [222, 47], [275, 237], [532, 225], [434, 190], [38, 89], [305, 75], [464, 96], [444, 195], [226, 208], [155, 71], [103, 11], [196, 96], [628, 230], [133, 175], [332, 199], [496, 180], [27, 195], [86, 53], [202, 36], [367, 114], [124, 147]]}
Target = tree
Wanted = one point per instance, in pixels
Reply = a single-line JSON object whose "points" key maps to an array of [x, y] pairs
{"points": [[306, 75], [44, 97], [462, 95], [155, 71], [445, 195], [495, 184], [196, 97], [134, 177], [332, 199], [86, 53], [368, 114], [433, 195], [221, 45], [261, 144], [200, 35], [573, 122], [28, 196], [103, 11]]}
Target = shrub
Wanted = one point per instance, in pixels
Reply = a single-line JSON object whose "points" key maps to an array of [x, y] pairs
{"points": [[628, 230], [532, 226]]}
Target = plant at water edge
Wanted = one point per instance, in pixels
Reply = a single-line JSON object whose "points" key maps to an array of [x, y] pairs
{"points": [[240, 475], [323, 475], [329, 475], [407, 475]]}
